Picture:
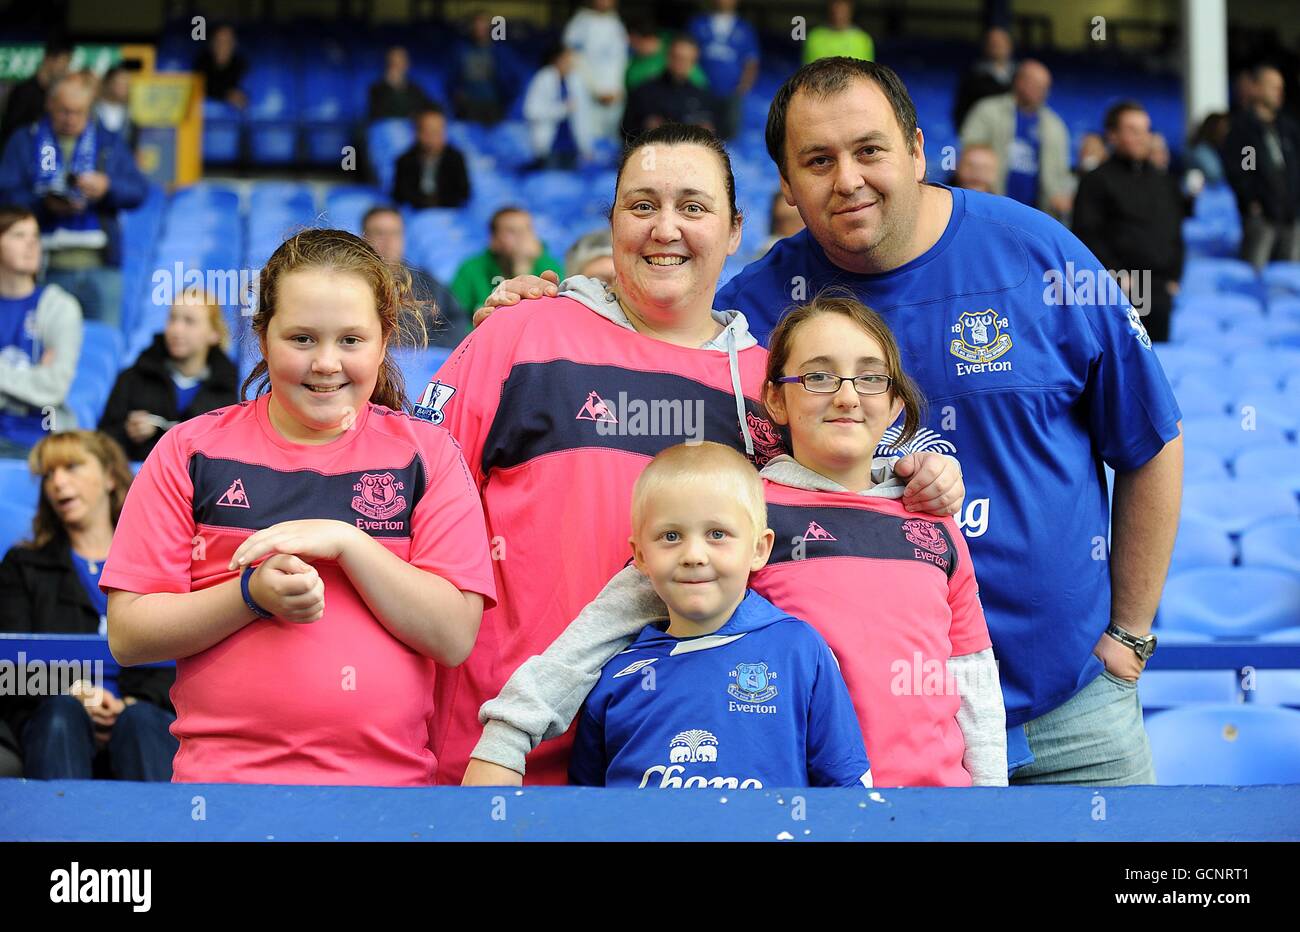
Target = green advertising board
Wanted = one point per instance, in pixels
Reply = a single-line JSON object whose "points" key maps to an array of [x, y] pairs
{"points": [[19, 61]]}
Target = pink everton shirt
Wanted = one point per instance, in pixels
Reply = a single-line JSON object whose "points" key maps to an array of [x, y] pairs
{"points": [[558, 410], [337, 701], [894, 595]]}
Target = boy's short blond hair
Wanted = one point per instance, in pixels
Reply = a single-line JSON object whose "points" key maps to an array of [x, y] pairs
{"points": [[720, 468]]}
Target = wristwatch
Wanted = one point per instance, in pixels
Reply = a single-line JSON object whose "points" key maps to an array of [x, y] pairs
{"points": [[1143, 646]]}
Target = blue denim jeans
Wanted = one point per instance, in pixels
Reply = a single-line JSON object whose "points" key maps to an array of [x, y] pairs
{"points": [[59, 742], [98, 290], [1095, 739]]}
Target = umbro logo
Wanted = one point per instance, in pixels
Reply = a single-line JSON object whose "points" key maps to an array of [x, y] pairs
{"points": [[633, 667]]}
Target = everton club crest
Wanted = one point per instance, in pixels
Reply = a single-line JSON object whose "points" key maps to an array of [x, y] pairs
{"points": [[980, 338], [753, 682], [379, 498]]}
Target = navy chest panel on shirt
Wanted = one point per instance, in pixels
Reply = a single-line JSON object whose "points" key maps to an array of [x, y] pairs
{"points": [[805, 533], [229, 493], [549, 407]]}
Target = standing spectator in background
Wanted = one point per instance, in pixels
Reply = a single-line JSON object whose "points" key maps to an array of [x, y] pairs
{"points": [[223, 68], [50, 585], [592, 255], [977, 169], [432, 172], [650, 54], [783, 221], [40, 339], [597, 35], [26, 101], [671, 97], [1092, 152], [480, 89], [513, 249], [395, 96], [1203, 152], [559, 111], [1261, 157], [184, 373], [1130, 213], [729, 55], [989, 76], [840, 38], [75, 176], [113, 109], [445, 322], [1031, 141]]}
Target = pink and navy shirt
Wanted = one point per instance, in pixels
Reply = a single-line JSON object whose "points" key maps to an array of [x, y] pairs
{"points": [[337, 701]]}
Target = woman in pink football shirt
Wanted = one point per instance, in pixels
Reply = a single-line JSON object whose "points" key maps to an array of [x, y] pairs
{"points": [[310, 555]]}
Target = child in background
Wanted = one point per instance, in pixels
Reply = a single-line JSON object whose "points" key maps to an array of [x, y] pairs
{"points": [[893, 592], [743, 695], [185, 373], [309, 555]]}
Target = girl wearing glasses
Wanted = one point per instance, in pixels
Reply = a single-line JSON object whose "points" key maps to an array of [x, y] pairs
{"points": [[893, 593]]}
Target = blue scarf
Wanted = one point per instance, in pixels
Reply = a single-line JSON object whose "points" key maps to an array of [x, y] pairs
{"points": [[81, 229]]}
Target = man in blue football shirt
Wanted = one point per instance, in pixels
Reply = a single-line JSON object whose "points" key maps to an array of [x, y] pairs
{"points": [[1037, 371]]}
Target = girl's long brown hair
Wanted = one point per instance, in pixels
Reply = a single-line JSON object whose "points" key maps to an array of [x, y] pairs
{"points": [[832, 301], [74, 446], [340, 251]]}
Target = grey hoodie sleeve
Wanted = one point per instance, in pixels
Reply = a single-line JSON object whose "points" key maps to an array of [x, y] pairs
{"points": [[58, 326], [981, 717], [542, 697]]}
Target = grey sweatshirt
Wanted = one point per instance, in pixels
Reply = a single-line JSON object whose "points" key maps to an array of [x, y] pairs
{"points": [[543, 696], [27, 388]]}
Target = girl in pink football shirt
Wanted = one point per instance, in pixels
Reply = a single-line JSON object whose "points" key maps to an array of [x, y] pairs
{"points": [[892, 592], [310, 555]]}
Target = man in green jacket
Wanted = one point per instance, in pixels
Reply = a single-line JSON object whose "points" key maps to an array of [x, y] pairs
{"points": [[513, 250]]}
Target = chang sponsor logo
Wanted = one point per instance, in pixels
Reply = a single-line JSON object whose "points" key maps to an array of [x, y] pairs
{"points": [[695, 746]]}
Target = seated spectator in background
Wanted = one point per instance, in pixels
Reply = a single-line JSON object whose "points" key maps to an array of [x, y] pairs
{"points": [[445, 321], [1267, 186], [977, 169], [671, 97], [596, 33], [395, 96], [40, 340], [431, 173], [1130, 214], [1204, 166], [839, 37], [223, 68], [185, 372], [729, 54], [989, 76], [650, 54], [593, 256], [783, 221], [50, 585], [559, 111], [26, 101], [113, 109], [75, 176], [513, 249], [1031, 141], [480, 79]]}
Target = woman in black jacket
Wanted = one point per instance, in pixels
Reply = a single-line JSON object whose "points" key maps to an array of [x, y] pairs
{"points": [[49, 585], [185, 373]]}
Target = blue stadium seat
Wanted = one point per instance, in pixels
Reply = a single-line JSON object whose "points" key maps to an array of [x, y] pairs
{"points": [[1218, 275], [1201, 543], [287, 196], [1181, 359], [1203, 393], [1228, 435], [15, 520], [222, 127], [1230, 601], [1166, 689], [346, 205], [1200, 466], [18, 482], [1273, 543], [1271, 465], [272, 113], [1284, 308], [386, 140], [1282, 278], [1237, 504], [1237, 745]]}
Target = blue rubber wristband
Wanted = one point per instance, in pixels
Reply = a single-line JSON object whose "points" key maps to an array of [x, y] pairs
{"points": [[248, 596]]}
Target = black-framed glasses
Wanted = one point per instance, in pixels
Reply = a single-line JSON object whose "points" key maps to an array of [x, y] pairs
{"points": [[828, 383]]}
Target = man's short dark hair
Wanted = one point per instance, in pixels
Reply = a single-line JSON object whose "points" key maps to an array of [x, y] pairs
{"points": [[828, 76], [1116, 111], [428, 109], [683, 38], [375, 211], [501, 212]]}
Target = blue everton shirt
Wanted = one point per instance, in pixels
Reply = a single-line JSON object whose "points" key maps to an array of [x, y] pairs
{"points": [[1036, 371], [758, 703]]}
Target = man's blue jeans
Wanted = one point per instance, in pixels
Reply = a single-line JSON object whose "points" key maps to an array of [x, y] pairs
{"points": [[59, 742], [1095, 739], [98, 290]]}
